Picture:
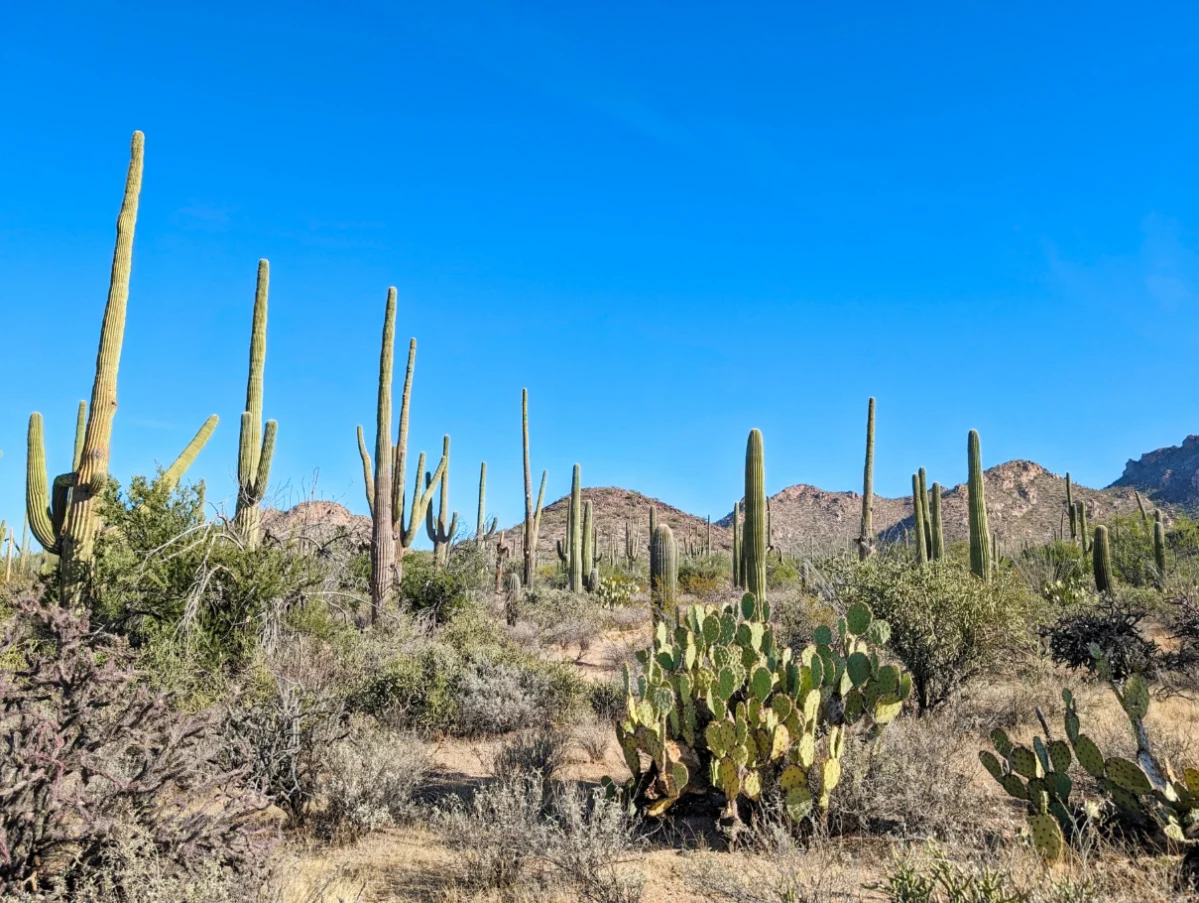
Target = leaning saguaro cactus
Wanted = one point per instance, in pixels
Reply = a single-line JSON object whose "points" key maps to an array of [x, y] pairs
{"points": [[257, 445], [663, 572], [1102, 557], [441, 533], [754, 540], [66, 522], [1159, 544], [390, 537], [532, 512], [866, 538], [980, 535]]}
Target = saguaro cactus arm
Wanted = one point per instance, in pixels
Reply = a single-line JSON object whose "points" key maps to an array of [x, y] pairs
{"points": [[171, 476], [421, 500], [368, 475], [37, 489], [400, 452]]}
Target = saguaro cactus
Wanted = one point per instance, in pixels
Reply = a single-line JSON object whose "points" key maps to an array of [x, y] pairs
{"points": [[928, 520], [1070, 509], [575, 523], [631, 551], [663, 571], [980, 534], [441, 534], [483, 530], [390, 537], [919, 525], [588, 538], [937, 528], [1104, 579], [653, 522], [754, 540], [1081, 517], [1159, 544], [532, 513], [257, 445], [866, 539], [738, 579]]}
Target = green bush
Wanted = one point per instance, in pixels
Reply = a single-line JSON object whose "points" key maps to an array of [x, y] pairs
{"points": [[704, 574], [1131, 540], [946, 625]]}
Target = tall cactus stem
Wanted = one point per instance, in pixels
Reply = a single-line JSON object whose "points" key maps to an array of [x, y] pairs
{"points": [[532, 514], [866, 538], [1159, 546], [171, 476], [1101, 549], [1070, 509], [754, 540], [256, 446], [980, 534], [663, 572], [441, 533], [575, 553], [937, 525], [918, 521], [588, 538]]}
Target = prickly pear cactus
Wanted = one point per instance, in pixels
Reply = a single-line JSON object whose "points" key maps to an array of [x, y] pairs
{"points": [[719, 706], [1143, 792]]}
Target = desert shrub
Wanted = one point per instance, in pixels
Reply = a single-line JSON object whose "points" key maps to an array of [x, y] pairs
{"points": [[88, 752], [914, 781], [415, 689], [1109, 626], [442, 591], [704, 574], [606, 700], [1131, 540], [936, 879], [593, 735], [541, 751], [1058, 571], [781, 573], [370, 780], [946, 625], [280, 740], [617, 589], [511, 835], [496, 697], [184, 590]]}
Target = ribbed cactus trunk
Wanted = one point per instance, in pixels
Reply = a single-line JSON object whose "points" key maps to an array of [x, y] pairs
{"points": [[937, 526], [754, 540], [382, 535], [737, 578], [1141, 508], [980, 534], [708, 538], [1105, 581], [918, 521], [1159, 545], [24, 562], [928, 520], [257, 444], [81, 523], [866, 539], [588, 538], [441, 533], [1070, 509], [575, 552], [1081, 517], [532, 513], [480, 521], [663, 572], [653, 522]]}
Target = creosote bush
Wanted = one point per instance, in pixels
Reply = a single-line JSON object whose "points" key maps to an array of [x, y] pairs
{"points": [[947, 625]]}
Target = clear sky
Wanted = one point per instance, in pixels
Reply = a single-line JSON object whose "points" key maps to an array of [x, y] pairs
{"points": [[672, 222]]}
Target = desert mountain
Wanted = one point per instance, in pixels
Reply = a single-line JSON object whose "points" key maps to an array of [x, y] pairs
{"points": [[1168, 475]]}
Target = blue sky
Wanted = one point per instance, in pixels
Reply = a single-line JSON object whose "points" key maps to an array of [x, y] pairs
{"points": [[671, 222]]}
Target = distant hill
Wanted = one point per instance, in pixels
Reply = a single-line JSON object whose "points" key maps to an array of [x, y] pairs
{"points": [[1166, 476]]}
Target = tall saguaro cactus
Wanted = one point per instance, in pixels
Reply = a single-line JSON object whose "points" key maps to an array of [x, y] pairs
{"points": [[257, 445], [919, 525], [937, 527], [1080, 516], [575, 552], [754, 540], [928, 521], [532, 513], [1070, 509], [483, 530], [1104, 580], [390, 537], [980, 534], [663, 572], [66, 522], [1159, 544], [866, 539], [441, 534], [588, 538], [738, 579]]}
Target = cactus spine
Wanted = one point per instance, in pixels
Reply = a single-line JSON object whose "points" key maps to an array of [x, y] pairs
{"points": [[1159, 544], [1101, 549], [919, 525], [866, 539], [575, 523], [588, 539], [257, 445], [754, 541], [663, 571], [440, 533], [483, 531], [980, 535], [390, 537], [532, 512], [937, 526], [738, 580]]}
